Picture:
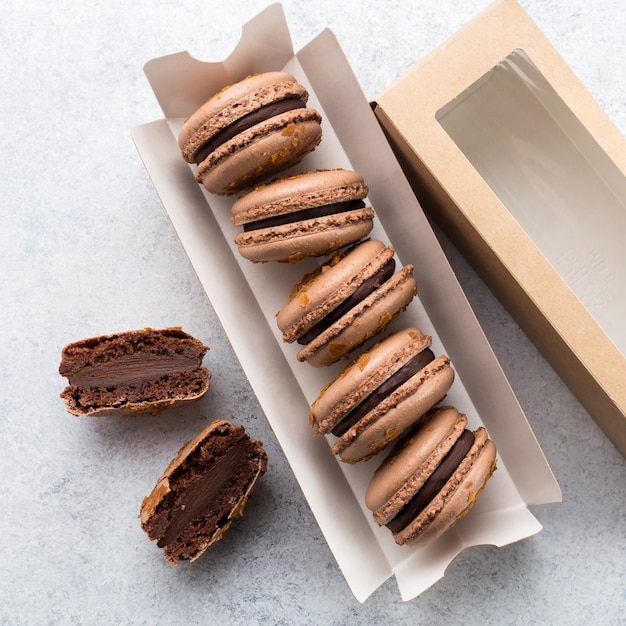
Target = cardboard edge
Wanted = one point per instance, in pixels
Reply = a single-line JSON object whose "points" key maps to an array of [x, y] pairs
{"points": [[518, 301]]}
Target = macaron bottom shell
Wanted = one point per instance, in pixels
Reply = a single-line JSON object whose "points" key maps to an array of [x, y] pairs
{"points": [[260, 152], [308, 238]]}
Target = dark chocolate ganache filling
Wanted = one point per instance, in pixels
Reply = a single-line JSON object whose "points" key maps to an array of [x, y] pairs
{"points": [[247, 121], [409, 369], [204, 493], [132, 369], [305, 214], [365, 289], [433, 484]]}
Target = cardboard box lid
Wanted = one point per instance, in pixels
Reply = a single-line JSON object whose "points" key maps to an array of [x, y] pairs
{"points": [[538, 296], [353, 139]]}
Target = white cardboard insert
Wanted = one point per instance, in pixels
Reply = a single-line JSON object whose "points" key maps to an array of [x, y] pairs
{"points": [[352, 139]]}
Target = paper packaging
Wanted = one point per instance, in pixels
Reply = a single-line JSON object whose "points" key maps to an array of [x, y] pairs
{"points": [[526, 173], [246, 297]]}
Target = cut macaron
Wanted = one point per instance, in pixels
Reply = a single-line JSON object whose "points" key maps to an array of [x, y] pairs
{"points": [[346, 301], [381, 394], [202, 490], [305, 215], [431, 478], [249, 131], [133, 372]]}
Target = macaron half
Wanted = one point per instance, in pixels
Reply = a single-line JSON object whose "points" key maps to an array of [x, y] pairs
{"points": [[381, 394], [305, 215], [249, 131], [346, 301], [202, 490], [431, 478], [133, 372]]}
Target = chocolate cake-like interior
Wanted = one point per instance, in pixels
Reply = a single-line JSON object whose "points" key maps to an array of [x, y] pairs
{"points": [[397, 379], [361, 292], [247, 121], [434, 483], [206, 491], [133, 367], [305, 214]]}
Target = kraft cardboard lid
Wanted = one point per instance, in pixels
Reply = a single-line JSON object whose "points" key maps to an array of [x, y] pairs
{"points": [[413, 109]]}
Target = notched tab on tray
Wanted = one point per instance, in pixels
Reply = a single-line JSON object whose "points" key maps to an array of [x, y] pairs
{"points": [[265, 45], [527, 175]]}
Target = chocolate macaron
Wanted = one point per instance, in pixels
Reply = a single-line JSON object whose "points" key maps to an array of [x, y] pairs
{"points": [[138, 371], [203, 489], [346, 301], [249, 131], [381, 394], [431, 478], [305, 215]]}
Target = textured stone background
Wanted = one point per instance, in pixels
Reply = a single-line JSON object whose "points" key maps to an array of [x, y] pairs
{"points": [[87, 249]]}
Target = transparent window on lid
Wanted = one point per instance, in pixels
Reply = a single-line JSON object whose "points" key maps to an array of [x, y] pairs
{"points": [[550, 173]]}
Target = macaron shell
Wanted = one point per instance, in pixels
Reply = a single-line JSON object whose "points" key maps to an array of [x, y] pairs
{"points": [[363, 375], [163, 488], [233, 102], [409, 464], [298, 192], [398, 412], [260, 152], [456, 497], [364, 321], [324, 289], [306, 238]]}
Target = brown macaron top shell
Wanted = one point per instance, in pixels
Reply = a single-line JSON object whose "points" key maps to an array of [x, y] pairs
{"points": [[278, 130], [320, 293], [378, 409], [414, 460], [202, 490], [304, 215]]}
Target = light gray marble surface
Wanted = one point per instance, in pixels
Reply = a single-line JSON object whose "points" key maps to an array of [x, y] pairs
{"points": [[87, 249]]}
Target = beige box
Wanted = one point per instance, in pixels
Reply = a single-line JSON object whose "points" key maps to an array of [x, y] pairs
{"points": [[508, 151]]}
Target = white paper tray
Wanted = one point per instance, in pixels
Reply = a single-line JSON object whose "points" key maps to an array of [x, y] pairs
{"points": [[246, 297]]}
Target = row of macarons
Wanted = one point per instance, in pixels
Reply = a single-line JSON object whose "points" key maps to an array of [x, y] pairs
{"points": [[254, 129], [393, 392]]}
